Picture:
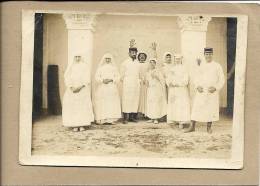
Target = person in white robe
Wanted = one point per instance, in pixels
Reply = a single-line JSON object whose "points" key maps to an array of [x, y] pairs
{"points": [[167, 63], [77, 111], [143, 89], [131, 79], [156, 102], [208, 83], [107, 100], [178, 106]]}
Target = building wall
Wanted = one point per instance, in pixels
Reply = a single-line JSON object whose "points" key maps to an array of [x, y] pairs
{"points": [[113, 34]]}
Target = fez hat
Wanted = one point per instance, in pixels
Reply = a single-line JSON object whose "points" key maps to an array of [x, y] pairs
{"points": [[133, 49], [208, 49]]}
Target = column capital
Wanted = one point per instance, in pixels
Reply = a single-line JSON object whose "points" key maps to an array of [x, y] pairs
{"points": [[80, 21], [193, 22]]}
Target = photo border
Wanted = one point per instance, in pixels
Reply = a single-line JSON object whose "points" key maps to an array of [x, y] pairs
{"points": [[26, 95]]}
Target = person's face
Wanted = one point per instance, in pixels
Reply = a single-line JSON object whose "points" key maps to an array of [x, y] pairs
{"points": [[78, 58], [142, 58], [132, 54], [168, 58], [177, 60], [152, 64], [208, 56], [108, 60]]}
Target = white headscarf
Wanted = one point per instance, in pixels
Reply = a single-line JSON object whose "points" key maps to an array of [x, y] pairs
{"points": [[165, 54], [107, 55], [70, 65]]}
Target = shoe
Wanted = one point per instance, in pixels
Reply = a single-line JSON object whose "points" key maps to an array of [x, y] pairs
{"points": [[82, 129], [75, 129], [191, 128], [133, 120], [209, 130], [156, 122], [181, 126]]}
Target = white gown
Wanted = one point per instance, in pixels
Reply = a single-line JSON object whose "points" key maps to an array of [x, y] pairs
{"points": [[107, 102], [77, 107], [156, 99], [206, 105], [178, 108], [130, 72], [143, 88]]}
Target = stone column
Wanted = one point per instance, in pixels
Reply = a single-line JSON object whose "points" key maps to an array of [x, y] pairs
{"points": [[193, 41], [193, 36], [80, 36]]}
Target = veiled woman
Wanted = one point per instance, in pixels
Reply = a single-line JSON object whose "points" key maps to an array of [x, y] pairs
{"points": [[156, 100], [77, 111], [107, 100]]}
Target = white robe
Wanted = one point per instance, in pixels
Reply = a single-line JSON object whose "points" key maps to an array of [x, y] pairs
{"points": [[77, 107], [143, 88], [178, 107], [107, 100], [206, 105], [130, 72], [165, 70], [156, 99]]}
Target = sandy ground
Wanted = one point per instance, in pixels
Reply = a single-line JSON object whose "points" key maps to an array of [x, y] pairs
{"points": [[133, 139]]}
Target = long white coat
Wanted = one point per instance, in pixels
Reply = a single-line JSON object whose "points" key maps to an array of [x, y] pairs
{"points": [[77, 107], [178, 107], [206, 105], [130, 74], [107, 100], [156, 99]]}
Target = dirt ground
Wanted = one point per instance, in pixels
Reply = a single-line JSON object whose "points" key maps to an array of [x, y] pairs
{"points": [[133, 140]]}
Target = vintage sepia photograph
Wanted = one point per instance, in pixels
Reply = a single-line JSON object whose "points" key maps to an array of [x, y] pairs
{"points": [[132, 90]]}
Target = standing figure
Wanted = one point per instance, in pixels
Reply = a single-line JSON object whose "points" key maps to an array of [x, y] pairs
{"points": [[167, 63], [130, 77], [156, 102], [77, 111], [143, 90], [178, 107], [208, 83], [107, 102]]}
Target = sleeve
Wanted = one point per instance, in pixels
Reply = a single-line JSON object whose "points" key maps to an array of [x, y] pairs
{"points": [[116, 76], [122, 70], [185, 79], [98, 76], [221, 78], [196, 77], [68, 82]]}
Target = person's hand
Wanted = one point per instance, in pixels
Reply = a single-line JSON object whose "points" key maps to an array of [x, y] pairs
{"points": [[171, 85], [212, 89], [78, 89], [72, 89], [105, 81], [198, 61], [200, 89]]}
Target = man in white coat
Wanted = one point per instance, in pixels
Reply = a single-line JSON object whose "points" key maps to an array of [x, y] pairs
{"points": [[208, 83], [131, 78]]}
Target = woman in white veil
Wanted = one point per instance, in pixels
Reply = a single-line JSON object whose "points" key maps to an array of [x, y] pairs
{"points": [[107, 100], [77, 111], [156, 101]]}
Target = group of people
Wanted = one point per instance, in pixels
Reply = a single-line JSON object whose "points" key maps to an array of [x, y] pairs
{"points": [[149, 90]]}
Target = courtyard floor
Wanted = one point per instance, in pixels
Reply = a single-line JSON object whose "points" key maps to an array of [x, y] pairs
{"points": [[133, 140]]}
